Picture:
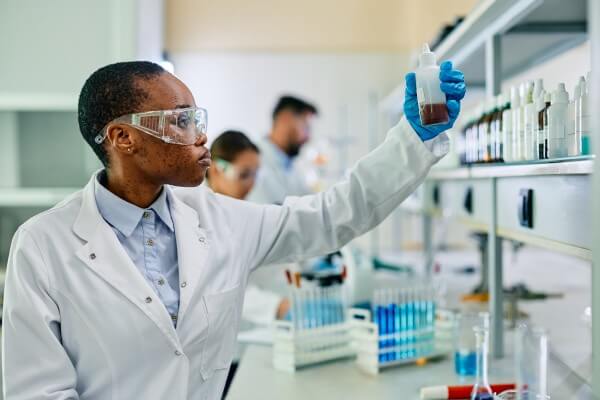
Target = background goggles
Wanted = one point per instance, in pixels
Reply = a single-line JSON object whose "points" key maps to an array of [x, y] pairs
{"points": [[231, 172], [180, 126]]}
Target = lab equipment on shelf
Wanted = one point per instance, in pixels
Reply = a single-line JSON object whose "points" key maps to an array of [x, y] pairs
{"points": [[529, 124], [482, 389], [317, 331], [403, 326], [458, 392]]}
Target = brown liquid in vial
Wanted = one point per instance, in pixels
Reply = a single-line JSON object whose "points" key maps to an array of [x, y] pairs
{"points": [[433, 114]]}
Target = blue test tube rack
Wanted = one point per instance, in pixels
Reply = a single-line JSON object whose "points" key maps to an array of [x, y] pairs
{"points": [[400, 327]]}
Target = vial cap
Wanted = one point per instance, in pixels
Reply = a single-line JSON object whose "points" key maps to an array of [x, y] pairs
{"points": [[540, 101], [427, 57], [538, 87], [560, 95]]}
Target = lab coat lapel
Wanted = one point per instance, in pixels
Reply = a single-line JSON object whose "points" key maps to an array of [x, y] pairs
{"points": [[193, 243], [106, 257]]}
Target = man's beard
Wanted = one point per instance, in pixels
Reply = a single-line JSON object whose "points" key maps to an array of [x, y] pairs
{"points": [[293, 149]]}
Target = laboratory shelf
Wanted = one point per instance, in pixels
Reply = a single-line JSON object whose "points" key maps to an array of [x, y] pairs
{"points": [[532, 31], [33, 197], [582, 165]]}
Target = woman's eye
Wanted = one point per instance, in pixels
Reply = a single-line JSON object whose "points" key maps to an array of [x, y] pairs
{"points": [[183, 122]]}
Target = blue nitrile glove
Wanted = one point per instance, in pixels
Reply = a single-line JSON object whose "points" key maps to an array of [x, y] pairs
{"points": [[452, 83]]}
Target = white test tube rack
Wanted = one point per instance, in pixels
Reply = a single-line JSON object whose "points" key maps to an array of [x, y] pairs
{"points": [[318, 332]]}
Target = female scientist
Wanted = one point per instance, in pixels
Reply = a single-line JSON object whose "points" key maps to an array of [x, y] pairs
{"points": [[132, 288]]}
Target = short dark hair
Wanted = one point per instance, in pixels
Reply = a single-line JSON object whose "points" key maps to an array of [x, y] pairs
{"points": [[293, 104], [110, 92], [229, 144]]}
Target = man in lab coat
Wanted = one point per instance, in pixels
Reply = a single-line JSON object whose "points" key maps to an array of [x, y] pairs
{"points": [[132, 288], [279, 175]]}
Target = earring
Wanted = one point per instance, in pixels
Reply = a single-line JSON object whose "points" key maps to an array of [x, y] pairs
{"points": [[129, 149]]}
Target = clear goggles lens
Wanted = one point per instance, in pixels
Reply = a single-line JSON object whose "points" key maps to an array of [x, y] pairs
{"points": [[180, 126], [231, 172]]}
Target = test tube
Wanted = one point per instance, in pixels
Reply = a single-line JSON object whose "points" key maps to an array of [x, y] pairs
{"points": [[403, 323], [397, 330]]}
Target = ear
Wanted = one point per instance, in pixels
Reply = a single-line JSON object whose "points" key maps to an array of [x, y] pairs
{"points": [[123, 138]]}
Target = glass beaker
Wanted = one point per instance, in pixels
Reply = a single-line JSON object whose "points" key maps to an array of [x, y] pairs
{"points": [[531, 363], [465, 356]]}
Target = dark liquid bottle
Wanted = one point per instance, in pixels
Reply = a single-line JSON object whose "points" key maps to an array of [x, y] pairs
{"points": [[433, 114]]}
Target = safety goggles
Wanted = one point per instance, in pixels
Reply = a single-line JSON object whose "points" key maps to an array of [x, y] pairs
{"points": [[231, 172], [181, 126]]}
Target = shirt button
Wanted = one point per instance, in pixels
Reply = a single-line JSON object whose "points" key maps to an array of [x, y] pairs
{"points": [[201, 239], [161, 281], [177, 353], [146, 214], [148, 299], [150, 242], [93, 256], [183, 284]]}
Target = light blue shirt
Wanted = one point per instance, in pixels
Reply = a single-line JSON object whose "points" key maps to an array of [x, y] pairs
{"points": [[148, 237]]}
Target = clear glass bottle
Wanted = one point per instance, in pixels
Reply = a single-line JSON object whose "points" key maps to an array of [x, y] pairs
{"points": [[517, 123], [482, 389]]}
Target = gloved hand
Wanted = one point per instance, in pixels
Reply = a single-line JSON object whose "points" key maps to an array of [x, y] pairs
{"points": [[452, 83]]}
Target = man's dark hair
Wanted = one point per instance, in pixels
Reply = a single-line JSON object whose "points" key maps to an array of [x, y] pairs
{"points": [[110, 92], [293, 104], [230, 144]]}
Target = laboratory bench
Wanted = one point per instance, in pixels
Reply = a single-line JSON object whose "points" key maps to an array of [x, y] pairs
{"points": [[256, 379]]}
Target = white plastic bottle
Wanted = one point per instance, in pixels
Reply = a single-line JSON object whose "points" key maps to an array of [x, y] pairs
{"points": [[517, 123], [583, 115], [431, 99], [541, 124], [526, 90], [507, 127], [558, 121], [574, 137], [530, 119]]}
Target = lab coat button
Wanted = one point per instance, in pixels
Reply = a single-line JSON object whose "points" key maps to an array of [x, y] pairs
{"points": [[177, 353], [93, 256], [201, 239], [183, 284], [148, 299]]}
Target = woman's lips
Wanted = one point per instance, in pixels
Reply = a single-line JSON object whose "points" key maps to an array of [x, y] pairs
{"points": [[205, 160]]}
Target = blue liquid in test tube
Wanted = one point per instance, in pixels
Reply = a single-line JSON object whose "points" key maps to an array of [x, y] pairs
{"points": [[391, 326]]}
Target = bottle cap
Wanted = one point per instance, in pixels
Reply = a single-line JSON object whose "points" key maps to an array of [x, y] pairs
{"points": [[515, 99], [538, 87], [540, 101], [577, 91], [583, 85], [548, 97], [426, 58], [560, 95]]}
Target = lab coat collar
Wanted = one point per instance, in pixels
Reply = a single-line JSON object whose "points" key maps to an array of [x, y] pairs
{"points": [[123, 215]]}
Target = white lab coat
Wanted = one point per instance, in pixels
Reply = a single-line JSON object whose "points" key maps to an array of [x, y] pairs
{"points": [[274, 182], [80, 321]]}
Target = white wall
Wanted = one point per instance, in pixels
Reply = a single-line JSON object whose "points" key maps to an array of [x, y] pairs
{"points": [[239, 89]]}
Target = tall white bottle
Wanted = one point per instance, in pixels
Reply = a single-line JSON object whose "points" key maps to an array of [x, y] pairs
{"points": [[431, 99], [574, 138], [507, 127], [558, 123], [517, 123], [584, 118]]}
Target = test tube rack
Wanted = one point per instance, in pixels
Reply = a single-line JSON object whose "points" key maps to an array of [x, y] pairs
{"points": [[318, 331], [404, 327]]}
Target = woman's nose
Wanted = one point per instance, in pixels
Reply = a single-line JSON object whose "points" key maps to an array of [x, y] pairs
{"points": [[201, 140]]}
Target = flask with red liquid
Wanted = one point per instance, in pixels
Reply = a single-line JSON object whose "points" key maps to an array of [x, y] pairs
{"points": [[431, 99]]}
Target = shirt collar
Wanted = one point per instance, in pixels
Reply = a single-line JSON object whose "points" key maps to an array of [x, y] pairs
{"points": [[125, 216]]}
